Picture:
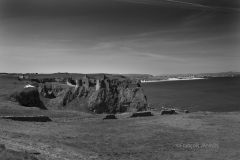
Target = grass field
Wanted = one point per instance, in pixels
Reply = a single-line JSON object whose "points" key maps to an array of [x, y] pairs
{"points": [[14, 155], [76, 135], [86, 136]]}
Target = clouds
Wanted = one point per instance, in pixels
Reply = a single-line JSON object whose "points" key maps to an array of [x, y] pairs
{"points": [[120, 35], [46, 8], [197, 4]]}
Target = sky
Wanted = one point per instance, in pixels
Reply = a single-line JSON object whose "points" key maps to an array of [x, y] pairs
{"points": [[119, 36]]}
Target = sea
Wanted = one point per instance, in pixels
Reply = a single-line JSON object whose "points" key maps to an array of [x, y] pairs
{"points": [[211, 94]]}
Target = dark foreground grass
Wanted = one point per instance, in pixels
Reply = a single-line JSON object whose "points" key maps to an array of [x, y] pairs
{"points": [[87, 136], [7, 154]]}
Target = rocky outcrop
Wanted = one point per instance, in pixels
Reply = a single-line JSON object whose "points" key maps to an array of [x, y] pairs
{"points": [[52, 90], [28, 97], [112, 100], [70, 98]]}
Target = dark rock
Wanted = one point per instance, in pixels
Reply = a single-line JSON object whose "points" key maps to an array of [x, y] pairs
{"points": [[34, 152], [112, 116], [103, 100], [141, 114], [2, 147], [28, 118], [35, 80], [44, 80], [51, 90], [113, 101], [28, 97], [135, 97], [168, 112], [186, 111]]}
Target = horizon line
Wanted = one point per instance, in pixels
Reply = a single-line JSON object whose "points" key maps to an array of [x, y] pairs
{"points": [[122, 73]]}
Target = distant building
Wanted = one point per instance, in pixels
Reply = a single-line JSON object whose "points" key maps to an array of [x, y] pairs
{"points": [[106, 81], [23, 77], [78, 82], [85, 81], [101, 82], [98, 84]]}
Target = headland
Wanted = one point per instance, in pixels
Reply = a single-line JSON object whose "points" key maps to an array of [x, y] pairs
{"points": [[77, 134]]}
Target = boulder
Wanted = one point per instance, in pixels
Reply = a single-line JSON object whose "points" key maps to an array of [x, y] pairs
{"points": [[168, 112], [111, 116], [141, 114]]}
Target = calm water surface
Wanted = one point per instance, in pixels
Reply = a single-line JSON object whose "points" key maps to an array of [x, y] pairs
{"points": [[214, 94]]}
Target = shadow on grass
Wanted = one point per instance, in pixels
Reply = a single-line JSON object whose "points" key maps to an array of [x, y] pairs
{"points": [[7, 154], [28, 97]]}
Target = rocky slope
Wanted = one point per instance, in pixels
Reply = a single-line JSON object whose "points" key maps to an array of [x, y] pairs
{"points": [[113, 100], [28, 97], [118, 97]]}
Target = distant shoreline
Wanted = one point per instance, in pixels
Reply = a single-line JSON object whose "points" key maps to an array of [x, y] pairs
{"points": [[173, 79]]}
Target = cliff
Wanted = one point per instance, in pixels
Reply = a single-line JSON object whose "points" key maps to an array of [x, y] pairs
{"points": [[97, 94], [112, 100]]}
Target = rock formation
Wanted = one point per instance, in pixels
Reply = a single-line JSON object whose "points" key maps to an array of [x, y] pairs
{"points": [[99, 95], [28, 97], [98, 101]]}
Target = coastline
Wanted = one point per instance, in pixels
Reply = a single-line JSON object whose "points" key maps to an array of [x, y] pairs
{"points": [[173, 79]]}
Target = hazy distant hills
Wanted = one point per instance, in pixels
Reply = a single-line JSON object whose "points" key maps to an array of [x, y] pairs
{"points": [[131, 76], [203, 74], [149, 76], [138, 76]]}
